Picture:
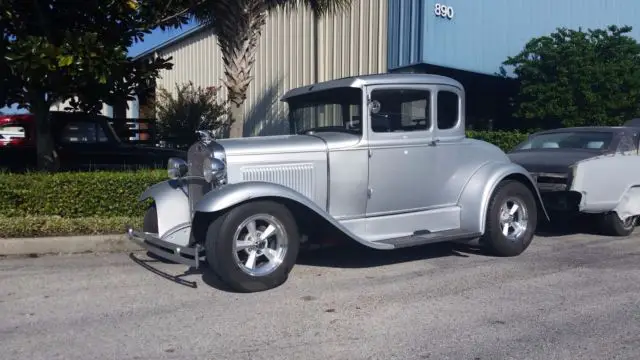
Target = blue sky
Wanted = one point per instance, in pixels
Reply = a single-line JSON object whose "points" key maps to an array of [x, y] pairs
{"points": [[158, 37], [155, 38]]}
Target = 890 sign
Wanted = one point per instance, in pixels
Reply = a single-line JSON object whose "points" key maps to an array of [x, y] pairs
{"points": [[444, 11]]}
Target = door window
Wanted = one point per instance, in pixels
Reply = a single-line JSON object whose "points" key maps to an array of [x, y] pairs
{"points": [[400, 110], [83, 132]]}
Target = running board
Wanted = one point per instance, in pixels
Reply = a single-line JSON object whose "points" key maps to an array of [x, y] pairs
{"points": [[423, 238]]}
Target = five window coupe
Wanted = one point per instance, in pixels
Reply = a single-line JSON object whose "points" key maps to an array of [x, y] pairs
{"points": [[381, 159]]}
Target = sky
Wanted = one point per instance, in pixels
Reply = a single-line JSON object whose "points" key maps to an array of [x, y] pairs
{"points": [[158, 37], [155, 38]]}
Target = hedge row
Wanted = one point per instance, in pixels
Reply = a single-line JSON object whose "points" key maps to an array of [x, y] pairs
{"points": [[76, 195], [506, 140], [34, 226], [103, 199]]}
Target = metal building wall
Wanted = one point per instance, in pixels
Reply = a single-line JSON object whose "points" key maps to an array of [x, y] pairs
{"points": [[348, 44], [482, 34]]}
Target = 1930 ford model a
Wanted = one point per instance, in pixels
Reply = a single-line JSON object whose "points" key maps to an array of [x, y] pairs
{"points": [[383, 159]]}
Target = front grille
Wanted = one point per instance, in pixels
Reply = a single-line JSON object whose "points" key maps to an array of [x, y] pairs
{"points": [[551, 181], [198, 187]]}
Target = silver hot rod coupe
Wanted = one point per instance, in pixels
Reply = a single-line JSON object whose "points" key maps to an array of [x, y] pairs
{"points": [[379, 159]]}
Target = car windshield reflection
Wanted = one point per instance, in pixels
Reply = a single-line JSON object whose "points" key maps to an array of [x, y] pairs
{"points": [[589, 140]]}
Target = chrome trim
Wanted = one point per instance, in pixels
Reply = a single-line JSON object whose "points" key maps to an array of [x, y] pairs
{"points": [[167, 250]]}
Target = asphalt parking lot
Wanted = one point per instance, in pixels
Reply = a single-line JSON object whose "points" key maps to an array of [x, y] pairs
{"points": [[567, 297]]}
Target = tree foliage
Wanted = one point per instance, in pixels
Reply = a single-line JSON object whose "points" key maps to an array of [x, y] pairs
{"points": [[578, 78], [190, 109], [53, 51]]}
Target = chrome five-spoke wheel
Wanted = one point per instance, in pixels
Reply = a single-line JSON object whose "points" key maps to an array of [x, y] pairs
{"points": [[260, 244], [513, 218], [253, 246]]}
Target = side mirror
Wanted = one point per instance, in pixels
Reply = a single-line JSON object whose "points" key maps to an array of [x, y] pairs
{"points": [[177, 168]]}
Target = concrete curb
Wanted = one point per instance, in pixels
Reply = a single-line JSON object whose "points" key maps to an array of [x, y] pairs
{"points": [[66, 245]]}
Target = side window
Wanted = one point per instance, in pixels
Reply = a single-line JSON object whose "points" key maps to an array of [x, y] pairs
{"points": [[448, 109], [82, 132], [398, 110], [626, 144]]}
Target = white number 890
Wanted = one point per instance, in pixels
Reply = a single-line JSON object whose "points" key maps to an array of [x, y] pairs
{"points": [[443, 11]]}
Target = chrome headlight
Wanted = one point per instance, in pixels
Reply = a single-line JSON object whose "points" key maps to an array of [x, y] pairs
{"points": [[214, 169], [176, 168]]}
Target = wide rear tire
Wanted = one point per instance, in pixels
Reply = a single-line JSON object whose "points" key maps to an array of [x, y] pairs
{"points": [[233, 245], [520, 222]]}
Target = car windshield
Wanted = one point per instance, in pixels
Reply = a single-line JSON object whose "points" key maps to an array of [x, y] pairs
{"points": [[328, 110], [594, 140]]}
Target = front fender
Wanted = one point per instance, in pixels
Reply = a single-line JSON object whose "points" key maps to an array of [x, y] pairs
{"points": [[172, 206], [230, 195], [476, 194]]}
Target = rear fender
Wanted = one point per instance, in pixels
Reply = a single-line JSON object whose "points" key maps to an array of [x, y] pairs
{"points": [[231, 195], [475, 197], [172, 206]]}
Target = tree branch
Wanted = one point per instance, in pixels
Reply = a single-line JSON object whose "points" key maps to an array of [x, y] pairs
{"points": [[178, 14]]}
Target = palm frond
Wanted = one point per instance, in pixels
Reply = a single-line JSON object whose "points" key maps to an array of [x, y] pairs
{"points": [[319, 7]]}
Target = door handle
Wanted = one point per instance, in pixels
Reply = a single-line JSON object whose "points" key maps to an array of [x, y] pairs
{"points": [[434, 142]]}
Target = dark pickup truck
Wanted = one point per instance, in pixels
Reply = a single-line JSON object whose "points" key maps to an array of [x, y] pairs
{"points": [[81, 141]]}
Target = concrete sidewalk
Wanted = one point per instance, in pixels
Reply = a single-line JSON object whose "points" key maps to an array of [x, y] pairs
{"points": [[66, 245]]}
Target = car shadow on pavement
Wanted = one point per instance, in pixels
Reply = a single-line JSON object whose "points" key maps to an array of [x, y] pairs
{"points": [[584, 224], [346, 254], [354, 255]]}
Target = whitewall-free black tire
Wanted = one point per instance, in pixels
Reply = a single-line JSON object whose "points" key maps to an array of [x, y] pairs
{"points": [[612, 225], [253, 246], [511, 219]]}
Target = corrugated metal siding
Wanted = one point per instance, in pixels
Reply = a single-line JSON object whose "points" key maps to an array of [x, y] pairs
{"points": [[484, 33], [406, 20], [348, 44], [354, 43]]}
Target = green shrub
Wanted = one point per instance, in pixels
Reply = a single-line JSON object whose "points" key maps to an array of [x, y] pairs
{"points": [[505, 140], [75, 194], [35, 226]]}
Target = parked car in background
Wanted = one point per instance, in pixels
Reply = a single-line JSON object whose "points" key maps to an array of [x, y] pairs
{"points": [[82, 142], [590, 170], [380, 159]]}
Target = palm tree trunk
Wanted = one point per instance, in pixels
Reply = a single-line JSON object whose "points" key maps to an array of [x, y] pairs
{"points": [[238, 33], [237, 126]]}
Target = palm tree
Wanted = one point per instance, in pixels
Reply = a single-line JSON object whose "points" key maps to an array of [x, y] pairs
{"points": [[238, 25]]}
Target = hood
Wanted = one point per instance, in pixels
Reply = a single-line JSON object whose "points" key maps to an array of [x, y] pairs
{"points": [[259, 145], [547, 160]]}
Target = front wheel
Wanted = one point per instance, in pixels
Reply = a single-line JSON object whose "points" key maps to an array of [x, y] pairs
{"points": [[511, 219], [254, 246]]}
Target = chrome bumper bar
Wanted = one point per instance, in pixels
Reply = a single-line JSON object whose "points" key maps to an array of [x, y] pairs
{"points": [[190, 256]]}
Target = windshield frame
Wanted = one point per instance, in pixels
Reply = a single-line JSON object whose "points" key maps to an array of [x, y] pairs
{"points": [[348, 100]]}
